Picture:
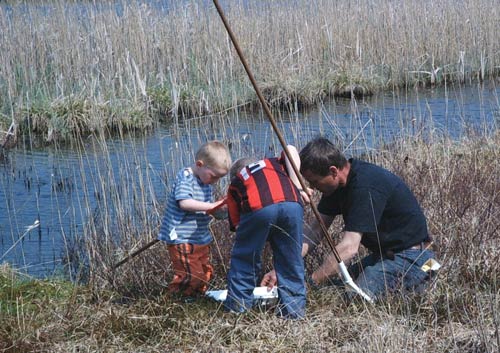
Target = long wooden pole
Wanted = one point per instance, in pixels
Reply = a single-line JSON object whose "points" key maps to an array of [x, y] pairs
{"points": [[343, 270], [135, 253], [270, 116]]}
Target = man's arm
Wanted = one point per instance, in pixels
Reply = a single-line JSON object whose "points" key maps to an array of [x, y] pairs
{"points": [[347, 248], [305, 194], [296, 160]]}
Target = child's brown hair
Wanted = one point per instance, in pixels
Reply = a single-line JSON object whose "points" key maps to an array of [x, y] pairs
{"points": [[239, 164]]}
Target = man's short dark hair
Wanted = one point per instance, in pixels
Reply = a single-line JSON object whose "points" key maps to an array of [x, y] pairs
{"points": [[319, 155]]}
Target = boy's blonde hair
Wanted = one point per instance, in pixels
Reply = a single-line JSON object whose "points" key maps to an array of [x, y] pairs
{"points": [[214, 154]]}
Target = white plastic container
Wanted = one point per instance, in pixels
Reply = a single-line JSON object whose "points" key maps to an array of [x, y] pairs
{"points": [[261, 296]]}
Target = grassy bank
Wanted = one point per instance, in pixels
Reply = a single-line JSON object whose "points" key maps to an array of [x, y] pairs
{"points": [[71, 68], [126, 311]]}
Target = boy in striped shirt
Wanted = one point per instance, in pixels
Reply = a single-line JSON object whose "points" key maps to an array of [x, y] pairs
{"points": [[185, 224], [265, 204]]}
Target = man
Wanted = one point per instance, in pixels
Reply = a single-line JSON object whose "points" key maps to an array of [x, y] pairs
{"points": [[379, 212]]}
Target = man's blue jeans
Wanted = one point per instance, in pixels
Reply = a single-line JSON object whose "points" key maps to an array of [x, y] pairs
{"points": [[378, 276], [281, 225]]}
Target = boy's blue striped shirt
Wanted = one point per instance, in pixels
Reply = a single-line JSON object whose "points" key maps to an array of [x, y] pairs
{"points": [[179, 226]]}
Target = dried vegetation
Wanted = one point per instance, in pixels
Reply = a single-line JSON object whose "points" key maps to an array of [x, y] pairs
{"points": [[126, 310]]}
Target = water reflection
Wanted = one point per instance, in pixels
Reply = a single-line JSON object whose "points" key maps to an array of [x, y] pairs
{"points": [[65, 189]]}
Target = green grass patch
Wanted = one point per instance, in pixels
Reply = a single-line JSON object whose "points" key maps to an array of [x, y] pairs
{"points": [[30, 295]]}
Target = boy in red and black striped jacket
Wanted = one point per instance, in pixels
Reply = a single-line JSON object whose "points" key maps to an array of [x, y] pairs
{"points": [[265, 204]]}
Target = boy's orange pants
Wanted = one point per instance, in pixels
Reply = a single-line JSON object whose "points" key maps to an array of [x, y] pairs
{"points": [[192, 268]]}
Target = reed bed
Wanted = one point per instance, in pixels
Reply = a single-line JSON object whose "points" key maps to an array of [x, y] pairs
{"points": [[70, 68], [126, 310]]}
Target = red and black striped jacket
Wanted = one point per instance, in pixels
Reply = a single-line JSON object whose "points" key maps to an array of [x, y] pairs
{"points": [[258, 185]]}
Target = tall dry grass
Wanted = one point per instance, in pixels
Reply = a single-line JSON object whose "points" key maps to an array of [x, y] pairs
{"points": [[456, 183], [125, 310], [78, 67]]}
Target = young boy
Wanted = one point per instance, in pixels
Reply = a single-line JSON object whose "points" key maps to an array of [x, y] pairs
{"points": [[185, 224], [264, 204]]}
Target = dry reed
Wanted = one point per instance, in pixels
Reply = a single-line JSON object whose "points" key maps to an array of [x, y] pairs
{"points": [[176, 67], [457, 184], [76, 67]]}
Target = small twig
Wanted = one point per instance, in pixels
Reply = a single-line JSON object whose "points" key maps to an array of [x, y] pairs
{"points": [[28, 229]]}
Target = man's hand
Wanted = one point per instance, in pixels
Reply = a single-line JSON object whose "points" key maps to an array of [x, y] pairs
{"points": [[306, 195], [269, 280]]}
